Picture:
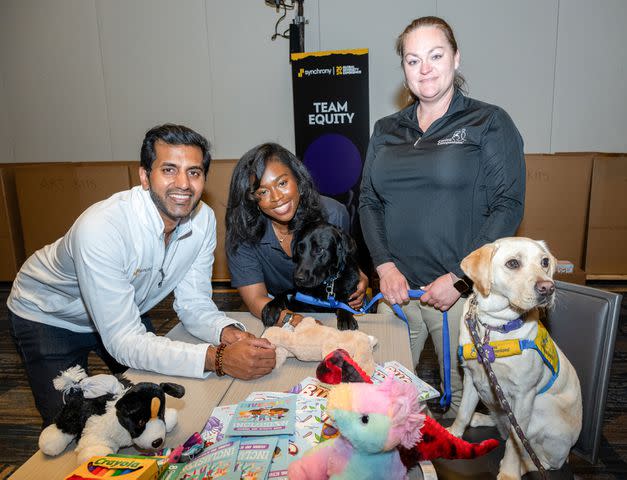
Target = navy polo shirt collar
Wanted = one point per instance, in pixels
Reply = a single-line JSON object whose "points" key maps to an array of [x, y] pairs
{"points": [[409, 117], [269, 238]]}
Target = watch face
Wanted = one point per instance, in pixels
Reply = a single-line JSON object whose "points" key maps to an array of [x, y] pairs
{"points": [[461, 286], [287, 318]]}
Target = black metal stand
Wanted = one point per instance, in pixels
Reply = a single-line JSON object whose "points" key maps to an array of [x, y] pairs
{"points": [[297, 30]]}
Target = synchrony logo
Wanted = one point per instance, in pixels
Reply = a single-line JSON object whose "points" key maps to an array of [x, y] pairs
{"points": [[337, 70]]}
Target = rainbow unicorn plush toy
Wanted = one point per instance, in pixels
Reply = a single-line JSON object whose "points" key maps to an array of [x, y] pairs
{"points": [[383, 431]]}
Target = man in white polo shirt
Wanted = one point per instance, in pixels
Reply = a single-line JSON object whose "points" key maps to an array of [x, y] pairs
{"points": [[90, 290]]}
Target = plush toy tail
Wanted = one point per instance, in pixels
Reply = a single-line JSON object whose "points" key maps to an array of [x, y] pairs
{"points": [[69, 378], [438, 442], [339, 367]]}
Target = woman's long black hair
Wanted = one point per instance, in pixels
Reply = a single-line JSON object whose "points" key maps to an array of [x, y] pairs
{"points": [[245, 223]]}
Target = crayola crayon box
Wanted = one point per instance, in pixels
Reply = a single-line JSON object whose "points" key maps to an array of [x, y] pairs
{"points": [[123, 467]]}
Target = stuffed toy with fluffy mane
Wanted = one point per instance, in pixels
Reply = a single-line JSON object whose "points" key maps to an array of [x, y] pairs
{"points": [[106, 413], [383, 431]]}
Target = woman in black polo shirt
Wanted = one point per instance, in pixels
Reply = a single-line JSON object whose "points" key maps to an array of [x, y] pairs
{"points": [[270, 199], [442, 177]]}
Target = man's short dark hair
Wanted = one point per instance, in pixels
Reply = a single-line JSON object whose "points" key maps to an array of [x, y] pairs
{"points": [[172, 135]]}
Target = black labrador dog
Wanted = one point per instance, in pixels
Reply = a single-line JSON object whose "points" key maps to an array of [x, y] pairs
{"points": [[326, 264]]}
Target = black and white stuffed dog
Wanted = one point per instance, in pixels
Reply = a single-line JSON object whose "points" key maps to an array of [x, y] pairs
{"points": [[106, 413]]}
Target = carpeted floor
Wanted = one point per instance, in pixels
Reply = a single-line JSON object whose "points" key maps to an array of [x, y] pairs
{"points": [[20, 422]]}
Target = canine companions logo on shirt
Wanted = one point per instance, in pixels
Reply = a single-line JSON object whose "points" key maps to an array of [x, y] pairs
{"points": [[458, 137]]}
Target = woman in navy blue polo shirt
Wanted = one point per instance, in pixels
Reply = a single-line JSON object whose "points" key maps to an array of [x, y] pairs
{"points": [[272, 197]]}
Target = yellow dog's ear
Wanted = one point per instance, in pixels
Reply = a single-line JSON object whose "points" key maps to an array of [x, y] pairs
{"points": [[552, 259], [478, 267]]}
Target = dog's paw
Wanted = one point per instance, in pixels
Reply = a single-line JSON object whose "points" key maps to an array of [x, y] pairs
{"points": [[346, 321], [170, 418], [85, 453], [53, 441], [481, 420], [507, 476], [454, 431]]}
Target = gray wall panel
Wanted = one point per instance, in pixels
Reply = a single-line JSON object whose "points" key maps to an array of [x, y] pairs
{"points": [[373, 25], [251, 78], [84, 79], [156, 62], [6, 138], [590, 111], [507, 56], [53, 80]]}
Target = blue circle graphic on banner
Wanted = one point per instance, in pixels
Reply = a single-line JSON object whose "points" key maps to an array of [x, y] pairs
{"points": [[334, 162]]}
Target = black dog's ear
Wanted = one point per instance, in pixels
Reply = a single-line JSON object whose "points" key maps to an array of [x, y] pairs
{"points": [[346, 248], [173, 389]]}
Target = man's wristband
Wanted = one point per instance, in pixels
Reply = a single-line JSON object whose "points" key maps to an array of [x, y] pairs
{"points": [[218, 365]]}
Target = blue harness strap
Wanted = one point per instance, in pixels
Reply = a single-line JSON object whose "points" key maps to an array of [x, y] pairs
{"points": [[331, 302], [555, 370]]}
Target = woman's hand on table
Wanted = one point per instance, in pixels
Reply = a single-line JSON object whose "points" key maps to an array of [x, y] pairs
{"points": [[440, 293], [392, 283]]}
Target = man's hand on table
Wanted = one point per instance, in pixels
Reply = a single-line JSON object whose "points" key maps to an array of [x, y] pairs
{"points": [[245, 357], [231, 334], [249, 358]]}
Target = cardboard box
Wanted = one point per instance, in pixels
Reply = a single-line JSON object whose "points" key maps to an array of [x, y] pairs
{"points": [[51, 197], [216, 195], [556, 203], [133, 173], [577, 276], [606, 251], [11, 240]]}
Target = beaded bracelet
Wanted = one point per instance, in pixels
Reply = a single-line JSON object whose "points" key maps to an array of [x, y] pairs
{"points": [[218, 366]]}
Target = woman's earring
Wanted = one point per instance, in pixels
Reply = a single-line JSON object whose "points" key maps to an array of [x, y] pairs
{"points": [[405, 85]]}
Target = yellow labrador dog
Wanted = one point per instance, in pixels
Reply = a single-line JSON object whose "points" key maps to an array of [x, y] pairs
{"points": [[512, 281]]}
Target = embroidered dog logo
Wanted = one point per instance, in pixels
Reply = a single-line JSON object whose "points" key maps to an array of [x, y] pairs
{"points": [[458, 137]]}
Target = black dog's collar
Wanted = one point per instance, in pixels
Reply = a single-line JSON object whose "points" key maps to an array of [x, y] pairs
{"points": [[329, 283]]}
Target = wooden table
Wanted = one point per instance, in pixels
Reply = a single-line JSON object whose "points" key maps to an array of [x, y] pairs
{"points": [[203, 395]]}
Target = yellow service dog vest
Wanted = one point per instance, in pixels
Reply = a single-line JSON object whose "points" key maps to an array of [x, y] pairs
{"points": [[543, 345]]}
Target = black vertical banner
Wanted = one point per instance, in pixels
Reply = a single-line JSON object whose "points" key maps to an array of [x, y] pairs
{"points": [[332, 121]]}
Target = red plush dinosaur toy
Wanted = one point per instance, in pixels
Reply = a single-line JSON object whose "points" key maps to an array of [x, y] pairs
{"points": [[436, 441]]}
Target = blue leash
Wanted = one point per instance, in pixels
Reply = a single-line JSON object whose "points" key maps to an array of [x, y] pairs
{"points": [[331, 302]]}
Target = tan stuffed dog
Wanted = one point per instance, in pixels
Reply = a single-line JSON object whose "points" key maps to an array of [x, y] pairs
{"points": [[311, 341]]}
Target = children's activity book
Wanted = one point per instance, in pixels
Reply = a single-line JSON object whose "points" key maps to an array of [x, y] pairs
{"points": [[311, 418], [312, 387], [215, 428], [274, 416], [399, 372], [281, 459], [254, 457], [217, 461]]}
